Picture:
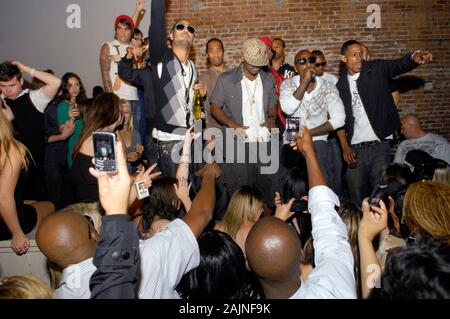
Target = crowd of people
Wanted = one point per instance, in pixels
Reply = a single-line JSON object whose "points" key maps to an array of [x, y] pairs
{"points": [[339, 217]]}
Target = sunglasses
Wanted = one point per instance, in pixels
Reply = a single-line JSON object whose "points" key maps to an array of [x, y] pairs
{"points": [[181, 27], [305, 60], [321, 64]]}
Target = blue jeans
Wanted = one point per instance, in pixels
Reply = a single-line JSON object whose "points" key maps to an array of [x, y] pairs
{"points": [[335, 166], [321, 148], [371, 161]]}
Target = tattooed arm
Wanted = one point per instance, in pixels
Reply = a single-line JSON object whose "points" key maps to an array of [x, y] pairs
{"points": [[105, 66]]}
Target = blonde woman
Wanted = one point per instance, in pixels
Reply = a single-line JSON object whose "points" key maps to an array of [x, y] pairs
{"points": [[130, 136], [16, 217], [244, 210], [426, 209], [24, 287]]}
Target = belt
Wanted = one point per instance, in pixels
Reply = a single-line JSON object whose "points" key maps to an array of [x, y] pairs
{"points": [[367, 144]]}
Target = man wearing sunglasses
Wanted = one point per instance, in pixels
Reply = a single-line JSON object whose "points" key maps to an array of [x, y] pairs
{"points": [[318, 105], [321, 63], [371, 114], [334, 150], [173, 82]]}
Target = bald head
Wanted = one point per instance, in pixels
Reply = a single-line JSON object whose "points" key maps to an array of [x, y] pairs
{"points": [[66, 238], [273, 251], [411, 126]]}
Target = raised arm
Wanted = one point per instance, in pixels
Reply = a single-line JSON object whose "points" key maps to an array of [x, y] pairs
{"points": [[156, 31], [105, 67], [333, 276], [408, 63], [127, 72], [117, 253], [373, 222], [52, 82], [138, 12], [183, 187], [202, 208]]}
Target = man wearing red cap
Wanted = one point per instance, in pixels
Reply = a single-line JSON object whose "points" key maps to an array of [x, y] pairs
{"points": [[110, 55]]}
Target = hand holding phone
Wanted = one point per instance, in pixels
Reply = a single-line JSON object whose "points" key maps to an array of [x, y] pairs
{"points": [[105, 152]]}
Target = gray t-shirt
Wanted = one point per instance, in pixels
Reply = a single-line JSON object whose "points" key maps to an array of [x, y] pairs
{"points": [[433, 144]]}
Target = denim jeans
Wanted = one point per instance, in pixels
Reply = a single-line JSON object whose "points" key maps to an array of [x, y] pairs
{"points": [[371, 161], [335, 166], [165, 163]]}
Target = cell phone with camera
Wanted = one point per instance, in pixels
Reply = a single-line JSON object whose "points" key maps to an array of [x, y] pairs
{"points": [[292, 126], [377, 194], [105, 151]]}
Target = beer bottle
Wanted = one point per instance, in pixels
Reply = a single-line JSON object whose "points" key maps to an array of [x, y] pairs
{"points": [[198, 104]]}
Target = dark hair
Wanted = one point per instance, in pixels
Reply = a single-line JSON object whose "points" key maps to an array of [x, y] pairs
{"points": [[160, 202], [212, 40], [351, 216], [317, 53], [420, 270], [81, 98], [125, 22], [137, 31], [97, 90], [296, 186], [399, 172], [346, 44], [280, 39], [105, 111], [221, 274], [8, 71]]}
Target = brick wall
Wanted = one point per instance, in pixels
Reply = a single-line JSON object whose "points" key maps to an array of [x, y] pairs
{"points": [[325, 25]]}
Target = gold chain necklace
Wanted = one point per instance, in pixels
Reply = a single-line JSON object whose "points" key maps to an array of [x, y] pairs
{"points": [[251, 97]]}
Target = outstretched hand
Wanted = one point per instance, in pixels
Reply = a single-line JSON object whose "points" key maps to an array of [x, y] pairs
{"points": [[422, 56]]}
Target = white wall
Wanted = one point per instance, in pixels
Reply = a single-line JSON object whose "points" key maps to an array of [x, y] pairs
{"points": [[36, 33]]}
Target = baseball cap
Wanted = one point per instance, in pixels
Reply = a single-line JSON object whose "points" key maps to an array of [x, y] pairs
{"points": [[127, 18], [254, 52], [266, 40]]}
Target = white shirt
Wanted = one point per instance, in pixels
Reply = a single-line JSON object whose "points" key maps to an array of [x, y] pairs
{"points": [[126, 90], [75, 281], [363, 131], [330, 77], [321, 105], [37, 97], [333, 275], [165, 258], [433, 144], [253, 109]]}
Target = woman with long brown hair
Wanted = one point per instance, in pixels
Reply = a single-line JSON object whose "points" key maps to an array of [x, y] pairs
{"points": [[16, 218], [103, 115]]}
